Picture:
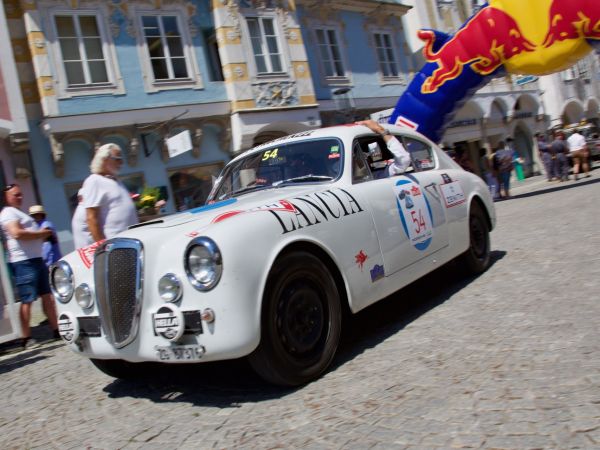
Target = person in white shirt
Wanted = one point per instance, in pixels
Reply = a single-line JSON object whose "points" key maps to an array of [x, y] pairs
{"points": [[106, 200], [81, 234], [401, 159], [24, 240], [579, 152]]}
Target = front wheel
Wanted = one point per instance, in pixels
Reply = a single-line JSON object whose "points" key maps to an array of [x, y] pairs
{"points": [[301, 321], [477, 258]]}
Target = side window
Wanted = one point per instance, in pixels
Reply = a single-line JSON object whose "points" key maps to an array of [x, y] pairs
{"points": [[360, 167], [265, 45], [165, 47], [421, 154], [81, 48], [165, 50]]}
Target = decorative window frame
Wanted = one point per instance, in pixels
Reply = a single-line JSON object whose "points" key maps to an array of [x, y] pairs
{"points": [[345, 80], [281, 44], [385, 80], [115, 84], [150, 84]]}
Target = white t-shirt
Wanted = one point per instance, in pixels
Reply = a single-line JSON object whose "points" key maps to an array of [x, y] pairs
{"points": [[81, 234], [20, 249], [576, 142], [401, 157], [117, 211]]}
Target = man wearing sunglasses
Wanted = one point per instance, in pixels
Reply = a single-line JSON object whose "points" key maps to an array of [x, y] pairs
{"points": [[24, 241], [107, 202]]}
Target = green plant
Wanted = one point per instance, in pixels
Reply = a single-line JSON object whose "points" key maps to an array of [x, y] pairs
{"points": [[148, 197]]}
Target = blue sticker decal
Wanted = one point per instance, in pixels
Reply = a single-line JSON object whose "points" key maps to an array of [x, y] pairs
{"points": [[415, 213], [212, 206], [377, 273]]}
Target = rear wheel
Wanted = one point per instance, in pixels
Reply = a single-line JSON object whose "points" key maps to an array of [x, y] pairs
{"points": [[477, 258], [301, 321]]}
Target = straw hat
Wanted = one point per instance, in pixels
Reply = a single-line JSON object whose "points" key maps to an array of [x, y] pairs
{"points": [[36, 209]]}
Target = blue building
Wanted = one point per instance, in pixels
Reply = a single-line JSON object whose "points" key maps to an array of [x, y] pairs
{"points": [[359, 56], [227, 74]]}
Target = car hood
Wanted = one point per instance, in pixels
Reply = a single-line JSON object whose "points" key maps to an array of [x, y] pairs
{"points": [[204, 216]]}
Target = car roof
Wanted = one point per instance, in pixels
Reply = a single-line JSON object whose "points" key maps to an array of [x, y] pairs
{"points": [[343, 132]]}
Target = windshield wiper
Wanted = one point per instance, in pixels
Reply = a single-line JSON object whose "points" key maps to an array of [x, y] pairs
{"points": [[304, 178]]}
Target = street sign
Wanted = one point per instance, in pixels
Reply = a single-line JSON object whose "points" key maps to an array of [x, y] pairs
{"points": [[524, 79]]}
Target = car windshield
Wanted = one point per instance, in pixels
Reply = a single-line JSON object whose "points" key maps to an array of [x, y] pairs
{"points": [[311, 161]]}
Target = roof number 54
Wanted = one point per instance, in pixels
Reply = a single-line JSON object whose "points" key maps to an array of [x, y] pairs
{"points": [[270, 154]]}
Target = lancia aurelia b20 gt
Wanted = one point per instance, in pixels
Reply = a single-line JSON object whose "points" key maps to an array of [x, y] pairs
{"points": [[294, 232]]}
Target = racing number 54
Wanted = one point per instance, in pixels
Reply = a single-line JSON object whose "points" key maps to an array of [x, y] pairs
{"points": [[419, 221]]}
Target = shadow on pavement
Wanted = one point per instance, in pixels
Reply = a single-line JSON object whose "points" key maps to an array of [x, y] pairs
{"points": [[385, 318], [231, 383], [17, 358], [559, 186]]}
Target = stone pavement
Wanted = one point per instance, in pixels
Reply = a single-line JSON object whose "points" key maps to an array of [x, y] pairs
{"points": [[506, 360]]}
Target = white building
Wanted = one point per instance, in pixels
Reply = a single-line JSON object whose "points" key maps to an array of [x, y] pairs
{"points": [[511, 106]]}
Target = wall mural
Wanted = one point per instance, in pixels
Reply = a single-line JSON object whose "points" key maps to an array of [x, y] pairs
{"points": [[536, 37]]}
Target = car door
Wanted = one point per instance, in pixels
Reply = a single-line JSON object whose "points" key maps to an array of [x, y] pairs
{"points": [[408, 210]]}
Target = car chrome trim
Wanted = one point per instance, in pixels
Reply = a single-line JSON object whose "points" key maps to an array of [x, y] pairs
{"points": [[212, 247], [110, 307], [64, 266]]}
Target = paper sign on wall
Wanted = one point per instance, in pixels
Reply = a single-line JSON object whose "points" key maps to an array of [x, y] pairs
{"points": [[180, 143]]}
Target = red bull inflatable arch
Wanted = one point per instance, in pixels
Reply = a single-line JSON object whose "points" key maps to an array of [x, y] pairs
{"points": [[533, 37]]}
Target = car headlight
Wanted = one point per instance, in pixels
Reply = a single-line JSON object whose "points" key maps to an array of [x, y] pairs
{"points": [[61, 281], [203, 263], [169, 288], [83, 296]]}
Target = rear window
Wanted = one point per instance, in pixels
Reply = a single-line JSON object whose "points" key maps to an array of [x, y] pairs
{"points": [[421, 153]]}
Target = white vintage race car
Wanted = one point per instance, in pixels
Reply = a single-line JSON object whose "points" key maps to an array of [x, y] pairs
{"points": [[294, 232]]}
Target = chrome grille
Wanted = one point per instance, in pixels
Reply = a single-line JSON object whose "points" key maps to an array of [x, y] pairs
{"points": [[118, 286]]}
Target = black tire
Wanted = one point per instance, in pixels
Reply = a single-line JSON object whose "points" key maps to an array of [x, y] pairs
{"points": [[117, 368], [301, 321], [477, 258]]}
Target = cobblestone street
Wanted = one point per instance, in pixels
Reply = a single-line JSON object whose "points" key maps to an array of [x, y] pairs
{"points": [[506, 360]]}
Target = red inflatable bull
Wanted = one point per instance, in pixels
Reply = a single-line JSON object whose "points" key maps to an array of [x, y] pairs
{"points": [[575, 19], [485, 42], [530, 37]]}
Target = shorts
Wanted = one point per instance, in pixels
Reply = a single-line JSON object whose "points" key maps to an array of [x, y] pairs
{"points": [[579, 156], [31, 279]]}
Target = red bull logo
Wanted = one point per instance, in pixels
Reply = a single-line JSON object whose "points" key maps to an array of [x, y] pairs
{"points": [[575, 19], [485, 43]]}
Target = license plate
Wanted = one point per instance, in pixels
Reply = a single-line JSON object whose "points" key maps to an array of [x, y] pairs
{"points": [[180, 352]]}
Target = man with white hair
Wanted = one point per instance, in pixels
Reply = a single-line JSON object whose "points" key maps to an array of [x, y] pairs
{"points": [[107, 202]]}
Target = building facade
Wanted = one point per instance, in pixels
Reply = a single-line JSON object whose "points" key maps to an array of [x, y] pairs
{"points": [[15, 162], [218, 75], [358, 54]]}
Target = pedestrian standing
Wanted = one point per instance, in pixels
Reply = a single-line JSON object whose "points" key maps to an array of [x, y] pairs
{"points": [[50, 248], [24, 242], [485, 164], [516, 159], [560, 148], [106, 200], [579, 152], [547, 156], [503, 163]]}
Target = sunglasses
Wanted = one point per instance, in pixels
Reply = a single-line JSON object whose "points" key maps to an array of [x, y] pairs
{"points": [[115, 158], [8, 187]]}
